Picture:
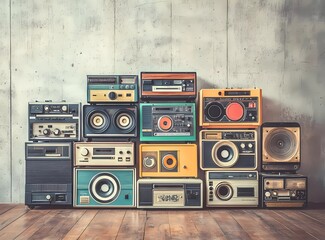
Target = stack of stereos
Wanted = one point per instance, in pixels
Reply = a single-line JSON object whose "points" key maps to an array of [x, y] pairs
{"points": [[104, 173], [228, 145], [168, 171], [52, 129], [101, 170]]}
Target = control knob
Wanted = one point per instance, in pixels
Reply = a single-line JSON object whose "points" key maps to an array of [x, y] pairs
{"points": [[84, 151], [46, 131], [57, 132], [112, 95]]}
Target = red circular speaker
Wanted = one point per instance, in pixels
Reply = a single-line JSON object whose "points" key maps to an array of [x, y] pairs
{"points": [[234, 111], [165, 123]]}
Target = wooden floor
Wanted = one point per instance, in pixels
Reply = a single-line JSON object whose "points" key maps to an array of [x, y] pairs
{"points": [[18, 222]]}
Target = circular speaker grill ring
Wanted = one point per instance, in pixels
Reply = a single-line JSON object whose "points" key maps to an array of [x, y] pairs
{"points": [[169, 162], [98, 120], [104, 188], [165, 123], [224, 191], [280, 144], [124, 120], [225, 154], [214, 111]]}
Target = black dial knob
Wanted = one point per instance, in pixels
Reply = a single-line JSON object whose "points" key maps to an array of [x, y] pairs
{"points": [[112, 95], [46, 132]]}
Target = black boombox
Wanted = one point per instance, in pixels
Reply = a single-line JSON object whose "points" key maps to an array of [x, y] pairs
{"points": [[49, 121], [48, 174], [109, 121]]}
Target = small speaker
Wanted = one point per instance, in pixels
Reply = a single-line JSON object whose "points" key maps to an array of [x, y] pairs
{"points": [[280, 142]]}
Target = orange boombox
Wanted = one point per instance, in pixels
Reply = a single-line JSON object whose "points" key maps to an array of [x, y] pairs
{"points": [[168, 160], [230, 108]]}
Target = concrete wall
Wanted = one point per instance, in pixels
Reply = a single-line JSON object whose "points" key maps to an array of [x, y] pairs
{"points": [[48, 47]]}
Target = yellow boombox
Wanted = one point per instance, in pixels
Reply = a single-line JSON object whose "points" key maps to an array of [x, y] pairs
{"points": [[230, 108], [168, 160]]}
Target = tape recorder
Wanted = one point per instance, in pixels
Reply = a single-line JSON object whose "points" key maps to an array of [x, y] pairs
{"points": [[230, 108], [103, 153], [49, 121], [232, 189], [169, 193], [167, 122], [228, 150], [109, 121], [168, 160], [112, 88], [48, 174], [170, 85], [280, 142], [283, 190], [104, 187]]}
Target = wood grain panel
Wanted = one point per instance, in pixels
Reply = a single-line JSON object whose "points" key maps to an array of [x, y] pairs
{"points": [[157, 225]]}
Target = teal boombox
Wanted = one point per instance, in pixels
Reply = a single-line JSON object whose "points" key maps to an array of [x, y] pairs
{"points": [[167, 122], [104, 187], [112, 88]]}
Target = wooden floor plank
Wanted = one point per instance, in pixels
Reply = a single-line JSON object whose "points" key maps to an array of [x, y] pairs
{"points": [[157, 225], [255, 228], [229, 226], [277, 227], [105, 225], [6, 207], [76, 231], [21, 224], [309, 225], [133, 225], [182, 225], [316, 214], [11, 215]]}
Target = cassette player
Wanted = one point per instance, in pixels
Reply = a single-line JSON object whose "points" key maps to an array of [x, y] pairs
{"points": [[170, 85], [230, 108], [49, 121], [112, 88], [283, 190], [232, 188], [167, 122], [168, 160], [169, 193], [48, 174], [104, 154]]}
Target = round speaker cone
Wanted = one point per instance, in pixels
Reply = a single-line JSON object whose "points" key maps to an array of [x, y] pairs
{"points": [[104, 188], [125, 120], [98, 121], [169, 162], [165, 123], [224, 191], [235, 111], [281, 144], [225, 154], [214, 111]]}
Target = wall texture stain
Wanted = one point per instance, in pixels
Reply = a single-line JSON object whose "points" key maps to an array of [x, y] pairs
{"points": [[48, 47]]}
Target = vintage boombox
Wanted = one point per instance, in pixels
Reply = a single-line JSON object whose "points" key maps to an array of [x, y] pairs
{"points": [[168, 160], [170, 85], [103, 153], [167, 122], [49, 121], [228, 150], [232, 189], [104, 187], [230, 108], [112, 88], [109, 121], [280, 143], [283, 190], [48, 174], [170, 193]]}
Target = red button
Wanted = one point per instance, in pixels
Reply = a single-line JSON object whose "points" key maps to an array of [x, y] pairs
{"points": [[234, 111]]}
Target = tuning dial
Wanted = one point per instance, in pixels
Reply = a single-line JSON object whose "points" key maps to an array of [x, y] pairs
{"points": [[64, 108], [267, 194], [84, 151], [48, 197], [112, 95], [46, 108], [242, 145], [250, 145], [274, 193], [57, 132], [46, 132], [149, 162]]}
